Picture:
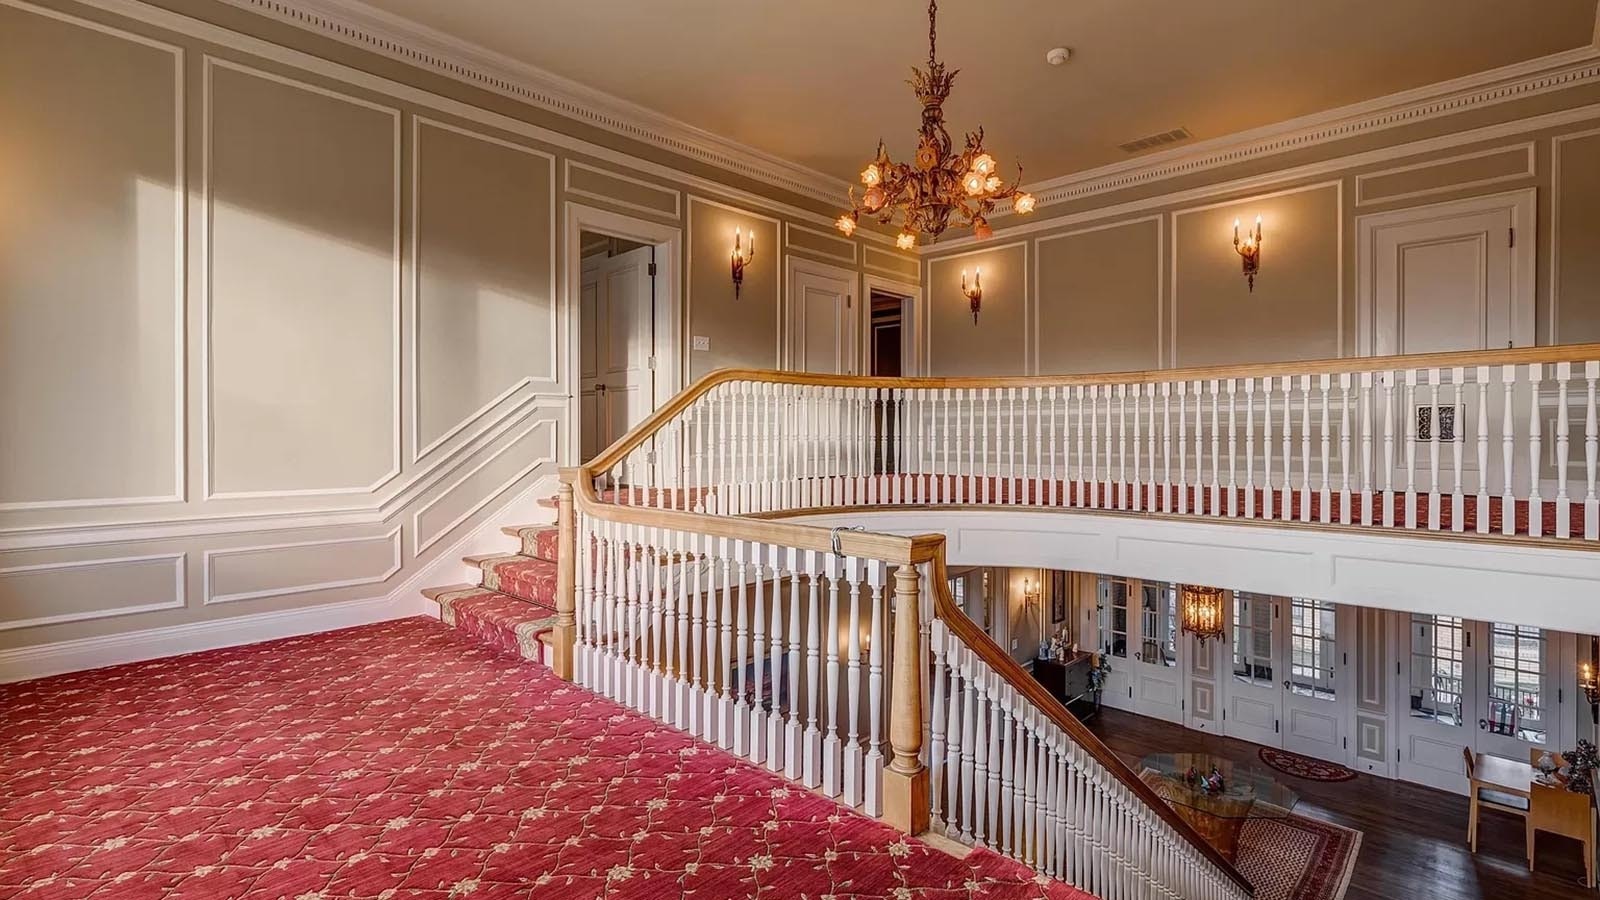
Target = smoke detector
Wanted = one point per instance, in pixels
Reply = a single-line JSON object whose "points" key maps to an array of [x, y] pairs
{"points": [[1057, 56]]}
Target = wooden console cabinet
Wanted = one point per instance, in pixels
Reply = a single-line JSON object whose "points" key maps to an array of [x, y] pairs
{"points": [[1070, 683]]}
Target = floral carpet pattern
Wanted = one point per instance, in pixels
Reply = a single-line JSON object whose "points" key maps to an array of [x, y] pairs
{"points": [[401, 760]]}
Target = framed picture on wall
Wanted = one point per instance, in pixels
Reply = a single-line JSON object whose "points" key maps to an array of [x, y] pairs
{"points": [[1058, 597]]}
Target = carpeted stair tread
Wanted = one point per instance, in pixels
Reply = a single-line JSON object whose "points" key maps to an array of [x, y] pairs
{"points": [[524, 577], [496, 620]]}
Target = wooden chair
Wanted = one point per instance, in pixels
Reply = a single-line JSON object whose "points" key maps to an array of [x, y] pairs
{"points": [[1557, 810], [1486, 797]]}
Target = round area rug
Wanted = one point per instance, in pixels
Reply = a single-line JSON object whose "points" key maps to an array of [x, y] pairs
{"points": [[1304, 766]]}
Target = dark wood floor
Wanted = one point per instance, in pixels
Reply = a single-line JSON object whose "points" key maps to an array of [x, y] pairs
{"points": [[1414, 839]]}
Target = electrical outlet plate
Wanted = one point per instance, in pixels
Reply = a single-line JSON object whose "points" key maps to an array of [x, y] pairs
{"points": [[702, 343]]}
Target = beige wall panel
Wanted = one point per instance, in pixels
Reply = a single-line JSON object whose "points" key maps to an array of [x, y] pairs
{"points": [[482, 477], [486, 313], [1099, 299], [997, 344], [90, 300], [891, 262], [71, 591], [743, 331], [303, 306], [815, 242], [1487, 167], [1577, 240], [589, 183], [1295, 309], [251, 573]]}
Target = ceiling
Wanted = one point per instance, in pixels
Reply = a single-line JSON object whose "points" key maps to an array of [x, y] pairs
{"points": [[818, 82]]}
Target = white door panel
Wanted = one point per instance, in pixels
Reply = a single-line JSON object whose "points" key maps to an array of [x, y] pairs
{"points": [[1252, 681], [820, 324], [617, 344]]}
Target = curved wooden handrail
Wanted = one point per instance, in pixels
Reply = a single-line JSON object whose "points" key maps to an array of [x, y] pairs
{"points": [[1001, 663], [1463, 359]]}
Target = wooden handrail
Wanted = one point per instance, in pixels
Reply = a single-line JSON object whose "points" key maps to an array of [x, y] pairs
{"points": [[890, 548], [1001, 663], [1462, 359]]}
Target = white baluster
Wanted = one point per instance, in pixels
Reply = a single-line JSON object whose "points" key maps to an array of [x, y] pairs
{"points": [[1345, 516], [1183, 447], [1535, 459], [1591, 437], [1214, 494], [832, 749], [1305, 448], [1250, 507], [811, 771], [1268, 491], [1508, 501], [1482, 511], [1387, 469], [1563, 502], [1458, 376], [794, 730], [1135, 480], [1325, 497], [1233, 448], [774, 716], [856, 593]]}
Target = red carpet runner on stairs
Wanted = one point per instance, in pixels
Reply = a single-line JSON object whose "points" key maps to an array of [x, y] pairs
{"points": [[403, 761]]}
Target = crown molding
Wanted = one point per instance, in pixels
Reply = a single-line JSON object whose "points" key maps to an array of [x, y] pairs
{"points": [[358, 24], [1557, 71]]}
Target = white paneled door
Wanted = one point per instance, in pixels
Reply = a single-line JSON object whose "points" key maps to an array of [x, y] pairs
{"points": [[820, 321], [1139, 637], [1448, 276], [1252, 707], [1314, 691], [618, 374]]}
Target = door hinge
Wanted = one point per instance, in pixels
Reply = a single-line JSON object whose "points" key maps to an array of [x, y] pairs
{"points": [[1346, 743], [650, 363], [1224, 714], [1130, 692], [1184, 704], [652, 270], [1274, 726], [1511, 237], [1397, 667], [1469, 639]]}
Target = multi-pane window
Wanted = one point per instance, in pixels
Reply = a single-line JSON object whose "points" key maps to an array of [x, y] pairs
{"points": [[1516, 682], [958, 591], [1159, 618], [1438, 645], [1252, 639], [1114, 616], [1311, 642]]}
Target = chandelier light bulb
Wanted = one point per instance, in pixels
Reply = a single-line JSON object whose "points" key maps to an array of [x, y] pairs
{"points": [[973, 183], [870, 176], [906, 240], [984, 164], [847, 225], [1024, 204], [992, 183], [873, 199]]}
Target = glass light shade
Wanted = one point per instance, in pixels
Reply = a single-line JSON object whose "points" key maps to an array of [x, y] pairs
{"points": [[1024, 204], [873, 199], [906, 240], [1202, 610], [983, 164], [871, 176], [992, 183], [846, 225], [972, 183]]}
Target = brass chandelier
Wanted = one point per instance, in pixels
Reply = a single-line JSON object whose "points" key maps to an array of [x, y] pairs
{"points": [[940, 187]]}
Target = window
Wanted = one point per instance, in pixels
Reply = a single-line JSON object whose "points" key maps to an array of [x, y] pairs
{"points": [[1437, 647], [1516, 682], [1252, 639], [1311, 643], [958, 591], [1160, 623], [1114, 616]]}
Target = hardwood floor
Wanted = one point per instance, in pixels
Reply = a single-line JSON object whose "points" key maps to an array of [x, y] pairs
{"points": [[1414, 839]]}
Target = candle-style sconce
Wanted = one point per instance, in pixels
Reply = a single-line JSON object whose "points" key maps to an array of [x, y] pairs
{"points": [[974, 294], [742, 255], [1249, 249], [1589, 679], [1030, 592]]}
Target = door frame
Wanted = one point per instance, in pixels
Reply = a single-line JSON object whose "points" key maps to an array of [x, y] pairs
{"points": [[1524, 207], [795, 265], [912, 319], [668, 239]]}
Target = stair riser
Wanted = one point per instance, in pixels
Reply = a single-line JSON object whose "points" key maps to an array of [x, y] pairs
{"points": [[541, 544], [498, 622], [524, 578]]}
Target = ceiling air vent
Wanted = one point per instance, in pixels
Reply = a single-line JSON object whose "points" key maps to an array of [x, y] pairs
{"points": [[1175, 136]]}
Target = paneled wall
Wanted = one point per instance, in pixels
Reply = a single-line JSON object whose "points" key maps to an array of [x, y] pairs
{"points": [[1148, 278], [283, 324]]}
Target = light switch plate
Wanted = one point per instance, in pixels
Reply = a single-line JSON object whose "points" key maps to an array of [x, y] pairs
{"points": [[701, 342]]}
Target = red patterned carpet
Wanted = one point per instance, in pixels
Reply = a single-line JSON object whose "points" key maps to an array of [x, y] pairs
{"points": [[399, 761]]}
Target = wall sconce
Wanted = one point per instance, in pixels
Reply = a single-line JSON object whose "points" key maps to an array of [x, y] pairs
{"points": [[741, 258], [1249, 251], [1588, 681], [1030, 592], [974, 294]]}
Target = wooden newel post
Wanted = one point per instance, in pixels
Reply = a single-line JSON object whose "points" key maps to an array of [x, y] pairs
{"points": [[905, 780], [566, 630]]}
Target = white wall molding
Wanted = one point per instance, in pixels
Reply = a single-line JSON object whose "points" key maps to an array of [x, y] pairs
{"points": [[360, 25], [1038, 255], [1557, 71], [676, 195], [1528, 171], [1557, 144], [421, 543], [178, 561], [209, 595]]}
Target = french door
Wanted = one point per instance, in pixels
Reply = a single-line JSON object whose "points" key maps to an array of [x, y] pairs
{"points": [[1286, 681], [1253, 705], [1139, 633], [1484, 687]]}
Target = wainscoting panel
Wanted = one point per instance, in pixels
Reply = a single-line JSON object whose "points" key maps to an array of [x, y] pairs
{"points": [[303, 288], [49, 593], [1099, 291], [489, 473], [485, 287], [276, 570], [91, 274]]}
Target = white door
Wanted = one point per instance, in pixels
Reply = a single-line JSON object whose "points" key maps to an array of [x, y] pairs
{"points": [[1449, 276], [1313, 708], [1116, 638], [1253, 694], [1157, 672], [820, 326], [1516, 687], [1436, 706], [618, 383]]}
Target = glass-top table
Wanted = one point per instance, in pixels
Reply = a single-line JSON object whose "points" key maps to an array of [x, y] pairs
{"points": [[1214, 794]]}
